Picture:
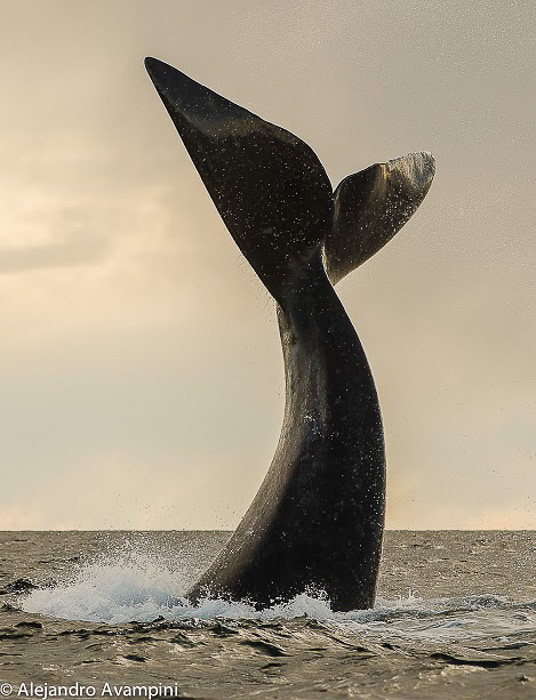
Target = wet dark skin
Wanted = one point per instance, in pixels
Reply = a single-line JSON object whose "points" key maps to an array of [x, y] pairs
{"points": [[316, 523]]}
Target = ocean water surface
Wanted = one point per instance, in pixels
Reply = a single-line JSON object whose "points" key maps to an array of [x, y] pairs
{"points": [[455, 617]]}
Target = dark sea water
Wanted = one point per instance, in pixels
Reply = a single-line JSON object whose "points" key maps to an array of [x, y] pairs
{"points": [[101, 614]]}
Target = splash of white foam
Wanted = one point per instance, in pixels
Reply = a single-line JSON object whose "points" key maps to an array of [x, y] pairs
{"points": [[141, 588], [135, 586]]}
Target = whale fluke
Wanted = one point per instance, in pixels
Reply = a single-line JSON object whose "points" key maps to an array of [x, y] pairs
{"points": [[317, 520], [259, 176], [371, 206]]}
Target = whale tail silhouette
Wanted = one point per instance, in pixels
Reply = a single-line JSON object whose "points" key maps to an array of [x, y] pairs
{"points": [[317, 519], [371, 206], [273, 193], [259, 176]]}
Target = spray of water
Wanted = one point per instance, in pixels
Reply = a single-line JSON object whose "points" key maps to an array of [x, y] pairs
{"points": [[134, 584]]}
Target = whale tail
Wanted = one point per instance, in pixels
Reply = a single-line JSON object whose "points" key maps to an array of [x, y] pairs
{"points": [[317, 519], [273, 193], [269, 186], [371, 206]]}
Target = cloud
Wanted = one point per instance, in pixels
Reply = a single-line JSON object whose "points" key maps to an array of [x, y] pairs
{"points": [[74, 251], [137, 342]]}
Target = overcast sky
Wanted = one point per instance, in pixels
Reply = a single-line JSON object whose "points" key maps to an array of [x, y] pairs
{"points": [[141, 380]]}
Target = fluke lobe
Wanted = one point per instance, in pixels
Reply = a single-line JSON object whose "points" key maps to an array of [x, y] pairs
{"points": [[316, 523]]}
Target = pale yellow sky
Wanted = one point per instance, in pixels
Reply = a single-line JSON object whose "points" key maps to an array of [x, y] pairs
{"points": [[140, 369]]}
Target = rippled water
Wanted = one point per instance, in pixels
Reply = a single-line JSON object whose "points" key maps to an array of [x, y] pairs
{"points": [[453, 608]]}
